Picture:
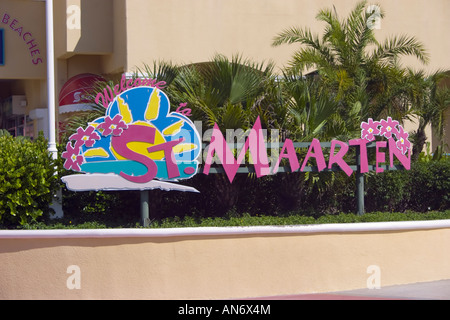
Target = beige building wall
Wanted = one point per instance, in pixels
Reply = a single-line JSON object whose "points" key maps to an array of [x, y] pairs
{"points": [[193, 31], [25, 43]]}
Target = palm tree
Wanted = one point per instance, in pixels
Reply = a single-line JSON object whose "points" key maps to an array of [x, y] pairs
{"points": [[231, 93], [351, 62], [429, 100], [311, 112]]}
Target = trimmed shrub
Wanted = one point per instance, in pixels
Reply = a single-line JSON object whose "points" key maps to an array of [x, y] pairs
{"points": [[429, 185], [425, 187], [387, 191], [27, 179]]}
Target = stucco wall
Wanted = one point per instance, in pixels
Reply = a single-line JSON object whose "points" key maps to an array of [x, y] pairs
{"points": [[220, 263], [193, 31], [25, 43]]}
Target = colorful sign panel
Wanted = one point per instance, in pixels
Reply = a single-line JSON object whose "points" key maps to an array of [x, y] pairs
{"points": [[137, 143], [140, 144]]}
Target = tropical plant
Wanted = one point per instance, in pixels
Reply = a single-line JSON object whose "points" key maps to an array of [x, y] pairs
{"points": [[231, 93], [353, 64], [27, 179], [429, 101], [165, 71], [348, 77], [311, 108]]}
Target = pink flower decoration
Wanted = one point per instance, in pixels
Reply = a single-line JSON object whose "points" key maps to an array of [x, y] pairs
{"points": [[85, 137], [114, 126], [369, 129], [388, 127], [73, 159], [402, 143]]}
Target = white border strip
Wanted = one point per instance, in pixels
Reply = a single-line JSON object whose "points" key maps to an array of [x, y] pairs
{"points": [[225, 231]]}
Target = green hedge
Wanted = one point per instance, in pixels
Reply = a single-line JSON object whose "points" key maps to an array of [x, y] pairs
{"points": [[425, 187], [249, 220], [293, 219], [27, 179]]}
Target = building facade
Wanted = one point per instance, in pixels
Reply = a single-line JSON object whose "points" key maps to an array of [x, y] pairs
{"points": [[112, 37]]}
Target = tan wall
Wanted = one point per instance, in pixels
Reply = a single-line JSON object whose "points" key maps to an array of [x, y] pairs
{"points": [[193, 31], [127, 33], [196, 266], [25, 44], [83, 27]]}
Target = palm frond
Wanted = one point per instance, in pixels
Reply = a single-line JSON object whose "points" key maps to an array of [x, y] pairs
{"points": [[402, 45], [161, 70]]}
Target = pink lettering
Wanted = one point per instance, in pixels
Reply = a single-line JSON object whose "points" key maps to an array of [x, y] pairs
{"points": [[148, 82], [122, 83], [138, 134], [35, 52], [26, 34], [106, 99], [394, 151], [6, 18], [116, 90], [255, 142], [171, 164], [186, 112], [362, 143], [379, 156], [13, 24], [129, 83], [34, 45], [19, 31], [291, 155], [161, 85], [318, 154], [338, 158], [37, 61]]}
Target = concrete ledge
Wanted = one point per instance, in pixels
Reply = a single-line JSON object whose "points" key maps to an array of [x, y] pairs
{"points": [[223, 231], [220, 263]]}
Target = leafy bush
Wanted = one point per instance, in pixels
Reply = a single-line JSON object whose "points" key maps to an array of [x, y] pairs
{"points": [[27, 179], [429, 185], [387, 191], [425, 187], [294, 219]]}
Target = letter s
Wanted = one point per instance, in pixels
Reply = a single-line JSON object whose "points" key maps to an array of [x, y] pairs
{"points": [[37, 61], [136, 134], [77, 96]]}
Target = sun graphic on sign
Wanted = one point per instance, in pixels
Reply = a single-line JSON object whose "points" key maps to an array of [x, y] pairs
{"points": [[138, 138]]}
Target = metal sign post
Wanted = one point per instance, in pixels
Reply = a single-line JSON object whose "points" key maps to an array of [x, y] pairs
{"points": [[359, 184], [145, 210]]}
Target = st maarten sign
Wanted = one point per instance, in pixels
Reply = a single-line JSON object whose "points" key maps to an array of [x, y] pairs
{"points": [[140, 144]]}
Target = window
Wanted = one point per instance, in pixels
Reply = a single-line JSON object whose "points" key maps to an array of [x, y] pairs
{"points": [[2, 48]]}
